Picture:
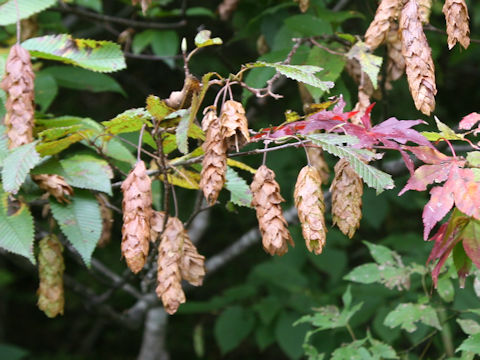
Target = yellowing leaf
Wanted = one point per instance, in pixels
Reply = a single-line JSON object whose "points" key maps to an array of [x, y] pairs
{"points": [[240, 165]]}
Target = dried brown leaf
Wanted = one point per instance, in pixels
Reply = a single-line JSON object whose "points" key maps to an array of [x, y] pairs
{"points": [[137, 211], [234, 125], [266, 199], [361, 106], [418, 59], [54, 185], [456, 16], [18, 83], [157, 222], [169, 287], [214, 163], [310, 204], [192, 264], [50, 292], [347, 191], [387, 13]]}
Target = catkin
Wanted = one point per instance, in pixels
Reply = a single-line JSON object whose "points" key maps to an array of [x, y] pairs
{"points": [[456, 16], [387, 12]]}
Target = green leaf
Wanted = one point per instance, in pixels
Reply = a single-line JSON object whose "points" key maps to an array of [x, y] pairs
{"points": [[472, 344], [469, 326], [203, 39], [381, 254], [157, 108], [182, 131], [301, 73], [12, 352], [267, 308], [101, 56], [129, 121], [369, 63], [46, 90], [91, 4], [17, 165], [80, 221], [373, 177], [333, 65], [88, 172], [364, 274], [232, 327], [81, 79], [290, 338], [3, 144], [445, 289], [308, 25], [381, 350], [26, 8], [17, 233], [166, 43], [406, 315], [238, 187], [141, 40]]}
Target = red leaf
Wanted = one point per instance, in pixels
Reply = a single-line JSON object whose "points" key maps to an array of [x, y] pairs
{"points": [[469, 121], [471, 241], [441, 201], [428, 155]]}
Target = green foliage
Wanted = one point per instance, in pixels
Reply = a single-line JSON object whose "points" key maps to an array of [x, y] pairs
{"points": [[232, 326], [101, 56], [238, 187], [16, 227], [26, 8], [369, 63], [17, 165], [80, 221], [406, 315]]}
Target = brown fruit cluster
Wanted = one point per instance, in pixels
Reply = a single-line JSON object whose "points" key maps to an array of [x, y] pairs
{"points": [[214, 163], [54, 185], [418, 59], [137, 211], [107, 221], [395, 60], [234, 125], [18, 84], [177, 258], [347, 191], [51, 298], [266, 200], [424, 10], [387, 13], [315, 156], [310, 204], [456, 16]]}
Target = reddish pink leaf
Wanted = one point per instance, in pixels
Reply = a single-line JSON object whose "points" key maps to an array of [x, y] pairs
{"points": [[469, 121], [441, 201], [471, 241], [428, 155]]}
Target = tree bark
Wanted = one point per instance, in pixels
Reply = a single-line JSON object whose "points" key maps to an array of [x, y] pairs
{"points": [[153, 342]]}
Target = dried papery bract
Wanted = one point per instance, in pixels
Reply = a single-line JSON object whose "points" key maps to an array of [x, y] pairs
{"points": [[18, 84], [418, 59], [456, 16], [54, 185], [169, 278], [354, 69], [347, 191], [424, 10], [311, 207], [303, 5], [137, 211], [157, 222], [266, 199], [234, 125], [315, 156], [51, 298], [214, 163], [395, 60], [387, 12], [192, 264], [107, 220], [226, 8], [361, 106]]}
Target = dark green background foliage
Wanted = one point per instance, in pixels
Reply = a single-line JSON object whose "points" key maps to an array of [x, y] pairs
{"points": [[246, 310]]}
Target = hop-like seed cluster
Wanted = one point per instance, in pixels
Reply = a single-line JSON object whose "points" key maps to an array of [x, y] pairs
{"points": [[386, 14], [214, 164], [418, 59], [51, 298], [107, 221], [347, 191], [395, 60], [137, 211], [177, 258], [456, 16], [234, 125], [311, 207], [315, 156], [266, 200], [18, 84], [54, 185]]}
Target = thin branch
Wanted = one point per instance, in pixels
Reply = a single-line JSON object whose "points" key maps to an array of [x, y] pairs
{"points": [[430, 27], [140, 141], [118, 20]]}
